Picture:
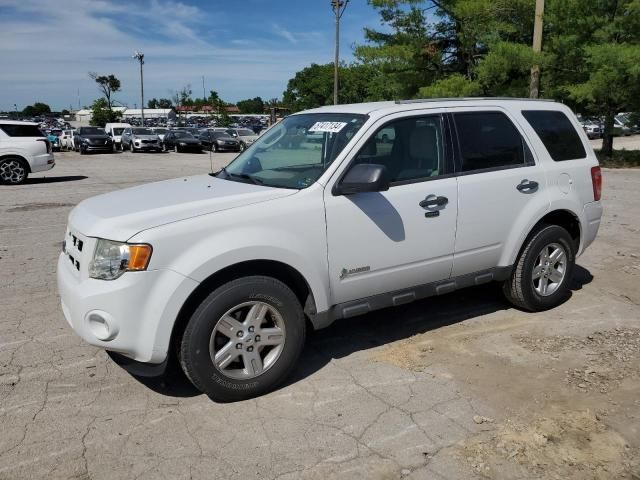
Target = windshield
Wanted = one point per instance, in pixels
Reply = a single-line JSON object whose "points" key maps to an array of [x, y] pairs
{"points": [[180, 134], [295, 152], [160, 130], [243, 132], [142, 131], [118, 131], [91, 131]]}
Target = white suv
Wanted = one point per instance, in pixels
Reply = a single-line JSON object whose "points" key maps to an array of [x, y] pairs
{"points": [[24, 149], [397, 201]]}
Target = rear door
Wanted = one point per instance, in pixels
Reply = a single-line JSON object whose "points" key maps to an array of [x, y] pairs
{"points": [[498, 180]]}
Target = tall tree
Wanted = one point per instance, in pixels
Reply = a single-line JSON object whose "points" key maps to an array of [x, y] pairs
{"points": [[108, 85], [36, 109], [102, 114], [251, 105]]}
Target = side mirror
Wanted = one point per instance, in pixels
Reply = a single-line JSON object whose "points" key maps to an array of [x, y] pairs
{"points": [[362, 178]]}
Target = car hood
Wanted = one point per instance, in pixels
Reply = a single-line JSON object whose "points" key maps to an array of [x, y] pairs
{"points": [[187, 140], [120, 215]]}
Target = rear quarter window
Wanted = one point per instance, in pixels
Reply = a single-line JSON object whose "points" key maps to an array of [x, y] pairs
{"points": [[557, 134], [17, 130]]}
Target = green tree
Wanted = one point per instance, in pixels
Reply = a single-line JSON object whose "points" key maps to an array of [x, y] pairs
{"points": [[153, 103], [251, 105], [65, 112], [36, 110], [164, 103], [102, 114], [594, 58], [108, 85], [313, 86]]}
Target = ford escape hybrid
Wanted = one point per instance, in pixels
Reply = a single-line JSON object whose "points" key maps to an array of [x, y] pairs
{"points": [[332, 213]]}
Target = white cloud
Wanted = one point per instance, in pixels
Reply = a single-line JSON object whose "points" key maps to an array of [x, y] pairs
{"points": [[47, 57]]}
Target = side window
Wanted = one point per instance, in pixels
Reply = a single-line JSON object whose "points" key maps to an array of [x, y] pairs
{"points": [[21, 130], [410, 148], [557, 133], [489, 140]]}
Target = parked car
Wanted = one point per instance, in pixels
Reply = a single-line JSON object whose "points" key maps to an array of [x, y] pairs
{"points": [[181, 141], [220, 141], [244, 135], [160, 132], [226, 271], [92, 139], [114, 130], [23, 150], [54, 137], [140, 139], [66, 140], [592, 129]]}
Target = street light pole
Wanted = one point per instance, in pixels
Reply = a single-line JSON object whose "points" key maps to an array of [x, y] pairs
{"points": [[140, 57], [338, 6], [534, 87]]}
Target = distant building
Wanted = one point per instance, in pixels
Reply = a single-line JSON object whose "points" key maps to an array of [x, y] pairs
{"points": [[84, 115], [167, 113]]}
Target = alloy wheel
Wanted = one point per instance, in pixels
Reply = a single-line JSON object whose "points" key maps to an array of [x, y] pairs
{"points": [[550, 269], [12, 171], [247, 340]]}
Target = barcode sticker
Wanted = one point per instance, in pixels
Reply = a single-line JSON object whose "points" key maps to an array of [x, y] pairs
{"points": [[330, 127]]}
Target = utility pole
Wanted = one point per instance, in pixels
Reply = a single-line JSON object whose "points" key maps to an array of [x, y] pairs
{"points": [[204, 95], [140, 57], [534, 88], [338, 7]]}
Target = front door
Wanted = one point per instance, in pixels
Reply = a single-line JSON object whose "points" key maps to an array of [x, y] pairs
{"points": [[379, 242]]}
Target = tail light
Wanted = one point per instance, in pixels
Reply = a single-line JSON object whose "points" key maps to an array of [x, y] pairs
{"points": [[596, 180], [47, 143]]}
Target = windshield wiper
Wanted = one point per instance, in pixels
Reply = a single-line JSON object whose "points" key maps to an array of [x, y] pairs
{"points": [[244, 176]]}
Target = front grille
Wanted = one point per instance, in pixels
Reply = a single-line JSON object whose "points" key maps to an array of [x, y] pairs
{"points": [[149, 141], [73, 247]]}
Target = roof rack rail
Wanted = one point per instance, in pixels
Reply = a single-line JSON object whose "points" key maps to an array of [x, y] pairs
{"points": [[459, 99]]}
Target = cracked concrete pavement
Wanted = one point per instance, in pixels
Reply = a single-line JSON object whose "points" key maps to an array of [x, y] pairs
{"points": [[388, 395]]}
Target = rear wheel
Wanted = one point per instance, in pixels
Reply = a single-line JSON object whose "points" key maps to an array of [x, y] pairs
{"points": [[540, 279], [244, 339], [13, 171]]}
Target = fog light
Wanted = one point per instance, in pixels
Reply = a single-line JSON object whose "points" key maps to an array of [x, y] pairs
{"points": [[102, 325]]}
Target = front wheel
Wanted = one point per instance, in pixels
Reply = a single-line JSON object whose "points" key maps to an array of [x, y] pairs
{"points": [[176, 148], [244, 339], [132, 148], [541, 276]]}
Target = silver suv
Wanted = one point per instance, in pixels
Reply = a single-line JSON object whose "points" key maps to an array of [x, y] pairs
{"points": [[397, 201]]}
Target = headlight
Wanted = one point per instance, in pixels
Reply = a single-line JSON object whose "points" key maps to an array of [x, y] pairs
{"points": [[85, 140], [112, 259], [182, 144]]}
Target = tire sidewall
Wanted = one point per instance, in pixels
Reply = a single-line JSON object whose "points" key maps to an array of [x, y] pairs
{"points": [[24, 165], [195, 343], [548, 235]]}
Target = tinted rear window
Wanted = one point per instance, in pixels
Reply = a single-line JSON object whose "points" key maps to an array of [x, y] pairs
{"points": [[557, 133], [18, 130], [488, 140]]}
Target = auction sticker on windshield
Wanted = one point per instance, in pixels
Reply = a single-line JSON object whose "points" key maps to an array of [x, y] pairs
{"points": [[330, 127]]}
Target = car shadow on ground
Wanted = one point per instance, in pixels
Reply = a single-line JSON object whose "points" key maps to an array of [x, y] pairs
{"points": [[39, 180], [368, 331]]}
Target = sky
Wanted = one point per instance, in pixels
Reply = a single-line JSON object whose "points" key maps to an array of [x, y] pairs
{"points": [[243, 48]]}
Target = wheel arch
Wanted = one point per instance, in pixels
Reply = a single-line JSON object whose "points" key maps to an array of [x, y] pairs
{"points": [[19, 157], [563, 218], [271, 268]]}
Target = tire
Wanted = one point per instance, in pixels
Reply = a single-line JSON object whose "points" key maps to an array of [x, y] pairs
{"points": [[164, 147], [81, 150], [237, 380], [243, 147], [13, 171], [176, 149], [215, 147], [132, 148], [529, 293]]}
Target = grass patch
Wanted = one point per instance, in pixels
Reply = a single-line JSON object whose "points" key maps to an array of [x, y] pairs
{"points": [[620, 159]]}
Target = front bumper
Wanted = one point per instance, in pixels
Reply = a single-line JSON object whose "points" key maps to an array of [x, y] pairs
{"points": [[97, 148], [228, 148], [133, 315], [147, 146]]}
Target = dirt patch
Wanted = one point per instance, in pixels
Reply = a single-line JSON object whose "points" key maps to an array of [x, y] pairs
{"points": [[612, 357], [30, 207], [568, 445]]}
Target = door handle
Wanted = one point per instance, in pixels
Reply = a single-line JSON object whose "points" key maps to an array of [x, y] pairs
{"points": [[527, 186], [433, 201]]}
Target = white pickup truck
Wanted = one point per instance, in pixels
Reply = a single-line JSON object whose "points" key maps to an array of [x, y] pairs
{"points": [[399, 201]]}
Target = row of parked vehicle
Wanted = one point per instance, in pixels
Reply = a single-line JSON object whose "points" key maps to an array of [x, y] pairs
{"points": [[122, 136], [623, 125]]}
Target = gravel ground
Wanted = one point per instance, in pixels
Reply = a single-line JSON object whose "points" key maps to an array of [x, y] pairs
{"points": [[456, 387]]}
